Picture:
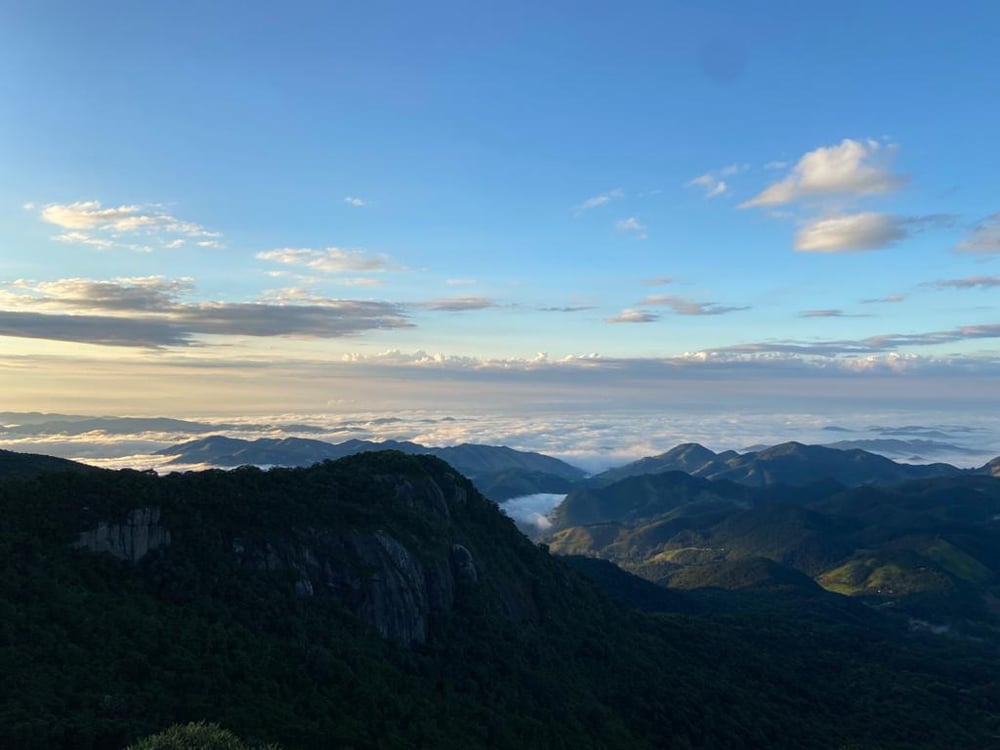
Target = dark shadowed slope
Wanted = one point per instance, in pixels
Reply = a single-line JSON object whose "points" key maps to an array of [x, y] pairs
{"points": [[380, 602], [14, 464]]}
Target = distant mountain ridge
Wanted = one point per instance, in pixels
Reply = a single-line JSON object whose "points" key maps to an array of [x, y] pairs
{"points": [[786, 463], [498, 472]]}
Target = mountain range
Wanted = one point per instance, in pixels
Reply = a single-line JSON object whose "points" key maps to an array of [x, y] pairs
{"points": [[379, 601], [927, 546], [786, 463], [499, 472]]}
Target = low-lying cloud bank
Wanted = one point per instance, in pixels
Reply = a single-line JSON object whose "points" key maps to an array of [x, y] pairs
{"points": [[591, 439], [532, 510]]}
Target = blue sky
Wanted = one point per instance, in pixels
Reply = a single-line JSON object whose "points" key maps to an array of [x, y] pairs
{"points": [[496, 200]]}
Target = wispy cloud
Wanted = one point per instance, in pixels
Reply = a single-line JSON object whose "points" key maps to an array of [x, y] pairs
{"points": [[134, 227], [712, 186], [880, 344], [461, 282], [633, 316], [970, 282], [683, 306], [567, 308], [849, 168], [888, 298], [830, 313], [598, 200], [351, 200], [658, 281], [458, 304], [733, 169], [330, 260], [632, 225], [712, 183], [985, 239]]}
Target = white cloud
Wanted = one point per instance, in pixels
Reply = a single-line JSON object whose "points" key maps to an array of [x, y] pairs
{"points": [[850, 233], [599, 200], [354, 201], [82, 238], [985, 239], [850, 168], [776, 165], [633, 316], [733, 169], [127, 226], [631, 224], [329, 260], [461, 282], [713, 187]]}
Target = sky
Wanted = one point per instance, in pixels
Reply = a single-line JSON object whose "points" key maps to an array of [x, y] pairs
{"points": [[312, 207]]}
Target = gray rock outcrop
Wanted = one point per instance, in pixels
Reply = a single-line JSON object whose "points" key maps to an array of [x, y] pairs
{"points": [[132, 540]]}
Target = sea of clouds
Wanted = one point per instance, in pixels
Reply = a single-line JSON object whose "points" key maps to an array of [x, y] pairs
{"points": [[593, 441]]}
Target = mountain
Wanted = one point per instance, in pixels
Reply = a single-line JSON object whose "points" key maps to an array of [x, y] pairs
{"points": [[379, 601], [643, 497], [498, 471], [787, 463], [32, 424], [929, 546], [14, 464]]}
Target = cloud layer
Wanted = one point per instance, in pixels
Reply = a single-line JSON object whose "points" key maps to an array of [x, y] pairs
{"points": [[148, 312]]}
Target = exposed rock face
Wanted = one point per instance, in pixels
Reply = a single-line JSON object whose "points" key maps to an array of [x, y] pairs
{"points": [[131, 540], [372, 574], [395, 576], [465, 566]]}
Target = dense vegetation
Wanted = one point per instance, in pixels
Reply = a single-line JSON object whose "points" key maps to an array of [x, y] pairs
{"points": [[97, 652], [929, 547]]}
